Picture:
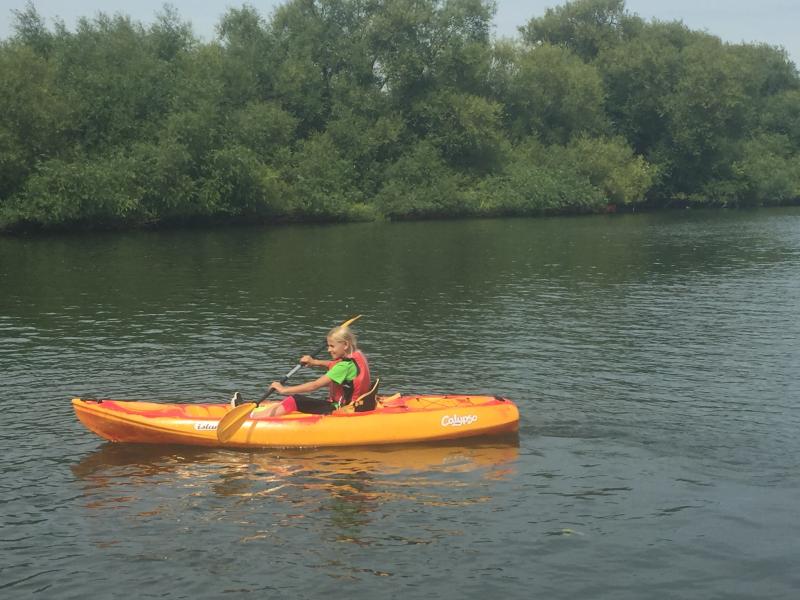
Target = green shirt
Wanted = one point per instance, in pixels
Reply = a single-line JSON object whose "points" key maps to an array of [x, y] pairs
{"points": [[344, 370]]}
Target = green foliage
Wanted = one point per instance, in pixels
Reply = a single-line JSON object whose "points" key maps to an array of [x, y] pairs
{"points": [[529, 187], [31, 31], [781, 114], [369, 141], [586, 27], [237, 183], [81, 192], [245, 72], [708, 101], [611, 166], [164, 176], [639, 76], [464, 127], [34, 117], [553, 95], [420, 184], [321, 180], [423, 46], [368, 109], [768, 171], [263, 127], [112, 80], [690, 104], [169, 37], [585, 175]]}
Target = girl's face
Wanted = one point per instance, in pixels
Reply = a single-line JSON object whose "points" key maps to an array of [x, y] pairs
{"points": [[338, 349]]}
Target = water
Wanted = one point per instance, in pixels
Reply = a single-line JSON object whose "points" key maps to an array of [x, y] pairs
{"points": [[654, 359]]}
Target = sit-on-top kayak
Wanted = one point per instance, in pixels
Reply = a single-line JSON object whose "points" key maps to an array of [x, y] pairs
{"points": [[396, 419]]}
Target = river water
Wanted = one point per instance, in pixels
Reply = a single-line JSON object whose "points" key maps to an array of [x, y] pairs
{"points": [[654, 359]]}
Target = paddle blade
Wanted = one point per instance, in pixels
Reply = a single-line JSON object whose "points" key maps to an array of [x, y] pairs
{"points": [[233, 421], [351, 321]]}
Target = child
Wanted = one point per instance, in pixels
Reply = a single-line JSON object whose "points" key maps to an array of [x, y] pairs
{"points": [[347, 378]]}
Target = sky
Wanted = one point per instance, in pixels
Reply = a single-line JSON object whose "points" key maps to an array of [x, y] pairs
{"points": [[773, 22]]}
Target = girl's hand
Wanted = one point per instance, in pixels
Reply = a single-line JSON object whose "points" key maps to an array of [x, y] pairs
{"points": [[307, 360], [278, 387]]}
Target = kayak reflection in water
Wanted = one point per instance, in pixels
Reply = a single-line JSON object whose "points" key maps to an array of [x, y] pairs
{"points": [[347, 378]]}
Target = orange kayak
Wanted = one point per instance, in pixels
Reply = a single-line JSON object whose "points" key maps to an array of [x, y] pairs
{"points": [[397, 419]]}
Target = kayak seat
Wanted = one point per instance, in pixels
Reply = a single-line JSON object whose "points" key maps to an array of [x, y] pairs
{"points": [[369, 400]]}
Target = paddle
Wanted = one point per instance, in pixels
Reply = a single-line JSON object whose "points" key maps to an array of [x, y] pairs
{"points": [[232, 422]]}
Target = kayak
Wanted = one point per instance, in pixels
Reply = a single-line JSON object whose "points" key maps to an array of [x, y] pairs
{"points": [[396, 419]]}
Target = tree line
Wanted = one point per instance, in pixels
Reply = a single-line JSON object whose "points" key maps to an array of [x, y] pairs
{"points": [[367, 109]]}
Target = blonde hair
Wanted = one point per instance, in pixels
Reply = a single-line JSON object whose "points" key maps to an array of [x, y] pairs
{"points": [[344, 334]]}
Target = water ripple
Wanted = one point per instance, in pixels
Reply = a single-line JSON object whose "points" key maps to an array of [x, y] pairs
{"points": [[654, 361]]}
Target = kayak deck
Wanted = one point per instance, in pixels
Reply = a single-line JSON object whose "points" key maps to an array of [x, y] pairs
{"points": [[397, 419]]}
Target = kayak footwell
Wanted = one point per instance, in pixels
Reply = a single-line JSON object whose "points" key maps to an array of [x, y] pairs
{"points": [[397, 420]]}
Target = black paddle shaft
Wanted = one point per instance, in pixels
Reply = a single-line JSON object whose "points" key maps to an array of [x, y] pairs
{"points": [[294, 370]]}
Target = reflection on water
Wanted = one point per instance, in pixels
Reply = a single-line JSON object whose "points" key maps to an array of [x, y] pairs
{"points": [[147, 459], [361, 476], [339, 495]]}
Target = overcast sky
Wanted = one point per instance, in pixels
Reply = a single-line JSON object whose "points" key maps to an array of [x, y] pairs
{"points": [[773, 22]]}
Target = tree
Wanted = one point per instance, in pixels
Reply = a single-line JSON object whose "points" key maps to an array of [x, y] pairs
{"points": [[709, 111], [420, 184], [781, 114], [263, 127], [171, 37], [321, 180], [611, 166], [465, 128], [639, 75], [587, 27], [535, 181], [425, 45], [97, 192], [236, 183], [30, 30], [247, 51], [114, 82], [768, 171], [353, 109], [323, 57], [35, 119], [552, 94]]}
